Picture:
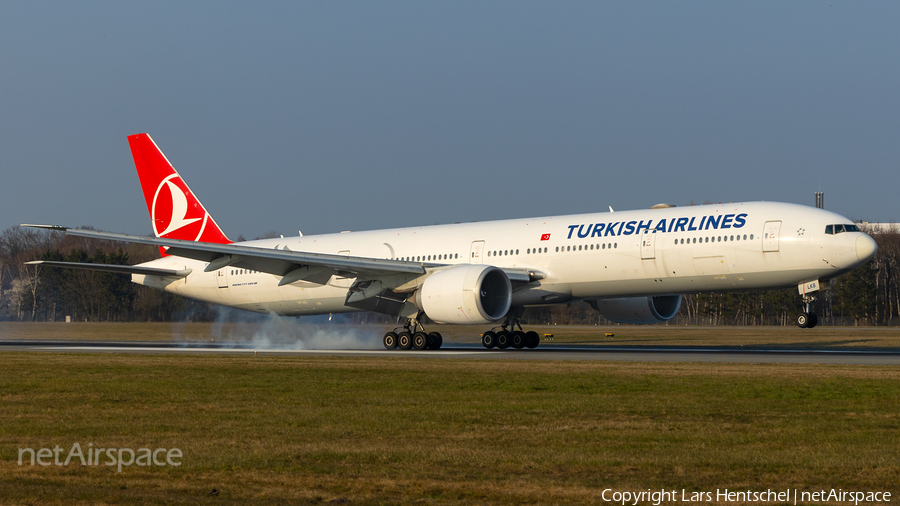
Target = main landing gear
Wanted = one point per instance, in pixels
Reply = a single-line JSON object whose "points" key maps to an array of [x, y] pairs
{"points": [[503, 338], [807, 319], [413, 336]]}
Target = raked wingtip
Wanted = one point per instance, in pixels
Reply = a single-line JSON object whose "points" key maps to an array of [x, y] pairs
{"points": [[48, 227]]}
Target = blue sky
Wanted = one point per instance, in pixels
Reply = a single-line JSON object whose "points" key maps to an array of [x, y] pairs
{"points": [[333, 116]]}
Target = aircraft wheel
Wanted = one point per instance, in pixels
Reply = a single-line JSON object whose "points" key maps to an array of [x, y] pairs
{"points": [[489, 339], [435, 341], [390, 340], [803, 320], [404, 340], [420, 340], [813, 320], [504, 339], [532, 339], [518, 340]]}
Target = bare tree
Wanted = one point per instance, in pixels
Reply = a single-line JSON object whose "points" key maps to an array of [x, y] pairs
{"points": [[30, 275], [16, 294]]}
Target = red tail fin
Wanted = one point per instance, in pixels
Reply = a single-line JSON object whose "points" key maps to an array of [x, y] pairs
{"points": [[174, 210]]}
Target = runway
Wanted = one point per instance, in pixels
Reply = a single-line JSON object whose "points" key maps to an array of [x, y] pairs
{"points": [[451, 351]]}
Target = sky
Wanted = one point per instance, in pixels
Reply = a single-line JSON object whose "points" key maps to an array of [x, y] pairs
{"points": [[330, 116]]}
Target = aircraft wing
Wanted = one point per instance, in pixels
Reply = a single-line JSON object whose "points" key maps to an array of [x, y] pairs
{"points": [[291, 265], [118, 269]]}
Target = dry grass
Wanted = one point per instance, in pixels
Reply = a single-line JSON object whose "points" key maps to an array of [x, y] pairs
{"points": [[275, 430]]}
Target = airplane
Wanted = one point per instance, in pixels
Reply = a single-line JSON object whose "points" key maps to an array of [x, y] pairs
{"points": [[631, 266]]}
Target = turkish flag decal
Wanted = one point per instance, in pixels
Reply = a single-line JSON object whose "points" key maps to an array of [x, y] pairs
{"points": [[545, 237]]}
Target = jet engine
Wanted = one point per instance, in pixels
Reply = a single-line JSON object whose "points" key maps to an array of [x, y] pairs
{"points": [[466, 294], [638, 309]]}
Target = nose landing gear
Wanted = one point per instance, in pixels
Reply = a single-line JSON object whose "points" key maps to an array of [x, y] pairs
{"points": [[807, 319]]}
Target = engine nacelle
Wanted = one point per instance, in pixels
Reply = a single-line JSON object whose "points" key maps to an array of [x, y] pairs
{"points": [[639, 309], [466, 294]]}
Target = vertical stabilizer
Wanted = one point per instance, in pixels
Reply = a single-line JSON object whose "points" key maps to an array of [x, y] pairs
{"points": [[175, 212]]}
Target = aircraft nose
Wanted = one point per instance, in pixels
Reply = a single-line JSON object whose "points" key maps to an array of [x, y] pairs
{"points": [[865, 247]]}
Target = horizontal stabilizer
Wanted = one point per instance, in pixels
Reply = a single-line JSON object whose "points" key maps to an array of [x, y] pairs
{"points": [[118, 269]]}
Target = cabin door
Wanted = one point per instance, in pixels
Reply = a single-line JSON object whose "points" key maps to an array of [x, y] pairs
{"points": [[648, 245], [222, 278], [770, 235], [476, 252]]}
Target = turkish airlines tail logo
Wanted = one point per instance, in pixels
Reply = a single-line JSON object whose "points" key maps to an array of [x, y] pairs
{"points": [[175, 212]]}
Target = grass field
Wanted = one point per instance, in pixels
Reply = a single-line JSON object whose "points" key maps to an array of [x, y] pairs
{"points": [[300, 430]]}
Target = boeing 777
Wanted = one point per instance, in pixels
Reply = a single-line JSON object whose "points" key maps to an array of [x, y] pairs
{"points": [[631, 266]]}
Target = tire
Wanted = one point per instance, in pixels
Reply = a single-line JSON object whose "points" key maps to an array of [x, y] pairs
{"points": [[532, 339], [504, 339], [404, 340], [813, 320], [489, 339], [518, 340], [390, 341], [803, 321], [435, 341], [420, 340]]}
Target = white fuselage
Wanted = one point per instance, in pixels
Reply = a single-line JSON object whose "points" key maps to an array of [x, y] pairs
{"points": [[676, 250]]}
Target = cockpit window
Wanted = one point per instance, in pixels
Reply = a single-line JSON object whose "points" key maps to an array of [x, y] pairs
{"points": [[837, 229]]}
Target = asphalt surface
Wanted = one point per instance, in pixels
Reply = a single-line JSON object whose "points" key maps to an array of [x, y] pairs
{"points": [[451, 351]]}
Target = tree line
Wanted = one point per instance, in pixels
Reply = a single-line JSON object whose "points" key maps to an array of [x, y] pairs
{"points": [[869, 295]]}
